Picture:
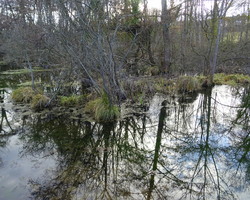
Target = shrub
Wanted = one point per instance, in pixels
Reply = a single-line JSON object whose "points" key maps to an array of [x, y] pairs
{"points": [[102, 110], [188, 84], [39, 102], [23, 94]]}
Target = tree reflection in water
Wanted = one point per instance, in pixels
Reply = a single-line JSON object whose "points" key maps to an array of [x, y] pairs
{"points": [[6, 130], [242, 140], [189, 151]]}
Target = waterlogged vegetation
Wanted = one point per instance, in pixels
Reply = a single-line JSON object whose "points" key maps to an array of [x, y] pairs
{"points": [[149, 86], [37, 99], [102, 110], [170, 138], [192, 146], [231, 79], [124, 102]]}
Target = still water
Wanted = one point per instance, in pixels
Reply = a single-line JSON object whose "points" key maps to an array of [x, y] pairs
{"points": [[182, 147]]}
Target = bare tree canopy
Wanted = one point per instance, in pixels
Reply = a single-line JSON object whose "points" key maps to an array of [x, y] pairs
{"points": [[105, 42]]}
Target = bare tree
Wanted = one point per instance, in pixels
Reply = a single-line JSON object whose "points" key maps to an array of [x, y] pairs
{"points": [[219, 13]]}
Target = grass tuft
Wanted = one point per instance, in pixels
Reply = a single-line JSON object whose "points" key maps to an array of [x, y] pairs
{"points": [[102, 110], [39, 102], [165, 86], [23, 94], [188, 84]]}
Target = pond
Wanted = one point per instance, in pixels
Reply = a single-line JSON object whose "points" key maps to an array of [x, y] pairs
{"points": [[177, 147]]}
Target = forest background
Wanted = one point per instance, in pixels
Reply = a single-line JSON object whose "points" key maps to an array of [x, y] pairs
{"points": [[107, 43]]}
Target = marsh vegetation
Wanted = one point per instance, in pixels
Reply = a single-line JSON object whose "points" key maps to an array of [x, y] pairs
{"points": [[113, 100], [189, 146]]}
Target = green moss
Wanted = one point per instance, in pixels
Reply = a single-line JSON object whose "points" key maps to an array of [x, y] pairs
{"points": [[188, 84], [231, 79], [39, 102], [23, 71], [71, 100], [23, 94], [102, 110]]}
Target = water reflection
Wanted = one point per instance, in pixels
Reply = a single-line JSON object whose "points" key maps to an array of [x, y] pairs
{"points": [[193, 147], [48, 81], [242, 140], [6, 129], [162, 117]]}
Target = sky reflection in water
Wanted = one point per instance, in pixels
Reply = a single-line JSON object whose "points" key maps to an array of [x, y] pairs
{"points": [[190, 147]]}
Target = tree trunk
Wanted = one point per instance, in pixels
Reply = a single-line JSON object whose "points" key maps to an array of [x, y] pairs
{"points": [[222, 13], [166, 38], [248, 20]]}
